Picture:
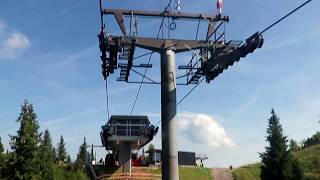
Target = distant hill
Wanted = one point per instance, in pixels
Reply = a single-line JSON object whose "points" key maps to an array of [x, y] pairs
{"points": [[309, 158]]}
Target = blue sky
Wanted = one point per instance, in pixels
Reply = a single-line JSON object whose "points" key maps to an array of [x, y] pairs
{"points": [[49, 55]]}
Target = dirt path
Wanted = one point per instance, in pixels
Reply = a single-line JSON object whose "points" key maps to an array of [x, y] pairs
{"points": [[221, 174]]}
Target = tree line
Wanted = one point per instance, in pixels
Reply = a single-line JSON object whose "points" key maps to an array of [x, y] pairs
{"points": [[311, 141], [33, 156]]}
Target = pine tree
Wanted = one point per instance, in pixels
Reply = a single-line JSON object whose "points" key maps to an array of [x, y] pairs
{"points": [[293, 145], [92, 157], [2, 158], [61, 154], [6, 166], [81, 156], [277, 162], [68, 159], [47, 155], [151, 147], [25, 145], [1, 147]]}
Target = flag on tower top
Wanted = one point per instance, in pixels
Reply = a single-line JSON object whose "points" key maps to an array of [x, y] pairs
{"points": [[219, 6]]}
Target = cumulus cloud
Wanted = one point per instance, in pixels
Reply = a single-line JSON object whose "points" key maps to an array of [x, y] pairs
{"points": [[12, 42], [203, 129], [17, 41]]}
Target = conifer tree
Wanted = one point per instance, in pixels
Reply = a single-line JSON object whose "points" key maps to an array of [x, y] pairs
{"points": [[92, 157], [25, 145], [47, 155], [1, 147], [293, 145], [151, 147], [81, 156], [2, 158], [277, 162], [68, 159], [61, 154]]}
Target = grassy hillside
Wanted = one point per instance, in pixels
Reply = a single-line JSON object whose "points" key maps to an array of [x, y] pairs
{"points": [[309, 158], [248, 172]]}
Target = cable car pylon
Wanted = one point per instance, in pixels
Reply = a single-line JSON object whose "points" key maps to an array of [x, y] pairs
{"points": [[214, 54]]}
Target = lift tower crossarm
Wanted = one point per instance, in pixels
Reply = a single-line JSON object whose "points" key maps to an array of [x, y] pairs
{"points": [[119, 13], [175, 15], [178, 45]]}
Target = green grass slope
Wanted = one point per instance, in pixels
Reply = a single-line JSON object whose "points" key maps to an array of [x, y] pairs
{"points": [[248, 172], [195, 173], [309, 159]]}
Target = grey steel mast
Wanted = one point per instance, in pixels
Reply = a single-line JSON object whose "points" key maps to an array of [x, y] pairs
{"points": [[168, 113]]}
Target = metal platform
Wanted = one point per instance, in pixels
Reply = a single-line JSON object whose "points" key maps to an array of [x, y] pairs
{"points": [[122, 134]]}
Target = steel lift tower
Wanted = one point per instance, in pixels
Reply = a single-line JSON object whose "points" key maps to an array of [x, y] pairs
{"points": [[215, 56], [211, 57]]}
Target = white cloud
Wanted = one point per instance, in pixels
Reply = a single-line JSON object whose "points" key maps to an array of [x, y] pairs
{"points": [[13, 44], [203, 129], [17, 41]]}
